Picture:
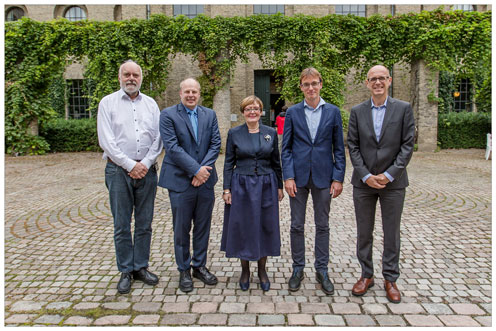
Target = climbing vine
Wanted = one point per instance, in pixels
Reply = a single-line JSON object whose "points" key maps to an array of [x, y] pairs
{"points": [[36, 52]]}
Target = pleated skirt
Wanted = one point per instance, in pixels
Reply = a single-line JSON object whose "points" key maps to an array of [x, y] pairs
{"points": [[251, 222]]}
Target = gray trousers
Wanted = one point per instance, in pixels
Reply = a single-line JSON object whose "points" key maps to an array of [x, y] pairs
{"points": [[321, 205], [365, 200]]}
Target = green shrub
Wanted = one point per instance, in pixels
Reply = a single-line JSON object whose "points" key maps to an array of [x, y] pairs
{"points": [[463, 130], [71, 135]]}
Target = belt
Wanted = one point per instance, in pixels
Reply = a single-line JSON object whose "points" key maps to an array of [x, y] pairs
{"points": [[110, 161]]}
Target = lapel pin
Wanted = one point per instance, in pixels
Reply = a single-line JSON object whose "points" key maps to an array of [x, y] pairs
{"points": [[267, 137]]}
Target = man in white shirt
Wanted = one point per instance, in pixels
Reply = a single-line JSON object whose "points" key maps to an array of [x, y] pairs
{"points": [[128, 133]]}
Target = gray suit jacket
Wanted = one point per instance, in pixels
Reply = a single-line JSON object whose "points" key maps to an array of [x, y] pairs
{"points": [[394, 149]]}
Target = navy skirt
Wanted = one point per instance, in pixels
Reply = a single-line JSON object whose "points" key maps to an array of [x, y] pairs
{"points": [[251, 222]]}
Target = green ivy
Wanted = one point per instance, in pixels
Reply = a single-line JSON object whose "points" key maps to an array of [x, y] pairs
{"points": [[36, 52], [463, 129]]}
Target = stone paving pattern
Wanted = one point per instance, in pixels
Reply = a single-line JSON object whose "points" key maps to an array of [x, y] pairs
{"points": [[60, 264]]}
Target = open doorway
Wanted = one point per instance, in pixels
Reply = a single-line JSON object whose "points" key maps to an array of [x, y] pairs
{"points": [[268, 91]]}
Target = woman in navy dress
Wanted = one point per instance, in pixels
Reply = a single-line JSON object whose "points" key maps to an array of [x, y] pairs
{"points": [[252, 191]]}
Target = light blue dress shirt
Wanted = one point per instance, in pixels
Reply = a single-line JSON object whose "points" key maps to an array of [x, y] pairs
{"points": [[312, 116], [378, 113]]}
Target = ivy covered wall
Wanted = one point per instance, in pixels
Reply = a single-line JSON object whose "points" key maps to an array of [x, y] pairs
{"points": [[36, 52]]}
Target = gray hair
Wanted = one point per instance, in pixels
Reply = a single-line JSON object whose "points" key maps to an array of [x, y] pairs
{"points": [[130, 61], [190, 78]]}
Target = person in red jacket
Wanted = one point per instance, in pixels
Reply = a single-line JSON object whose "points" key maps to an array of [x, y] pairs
{"points": [[280, 125]]}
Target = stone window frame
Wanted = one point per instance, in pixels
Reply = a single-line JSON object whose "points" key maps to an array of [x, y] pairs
{"points": [[463, 102], [75, 16], [268, 9], [357, 10], [10, 13], [190, 11]]}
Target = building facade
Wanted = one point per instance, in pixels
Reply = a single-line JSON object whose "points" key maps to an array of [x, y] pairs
{"points": [[248, 78]]}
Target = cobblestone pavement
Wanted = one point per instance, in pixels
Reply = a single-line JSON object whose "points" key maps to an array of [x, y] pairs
{"points": [[60, 263]]}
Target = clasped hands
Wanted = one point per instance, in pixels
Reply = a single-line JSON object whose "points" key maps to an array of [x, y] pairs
{"points": [[139, 171], [377, 181], [201, 177]]}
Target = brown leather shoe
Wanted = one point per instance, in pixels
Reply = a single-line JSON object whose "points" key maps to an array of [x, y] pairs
{"points": [[361, 287], [392, 292]]}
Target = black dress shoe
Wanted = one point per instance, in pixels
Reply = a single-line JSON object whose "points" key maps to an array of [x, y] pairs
{"points": [[145, 276], [204, 275], [185, 281], [124, 284], [326, 283], [295, 280]]}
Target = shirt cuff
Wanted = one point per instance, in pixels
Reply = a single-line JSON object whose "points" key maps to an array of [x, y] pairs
{"points": [[391, 178], [197, 171], [364, 179]]}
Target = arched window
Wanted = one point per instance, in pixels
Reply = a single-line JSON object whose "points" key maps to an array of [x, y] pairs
{"points": [[75, 13], [13, 14]]}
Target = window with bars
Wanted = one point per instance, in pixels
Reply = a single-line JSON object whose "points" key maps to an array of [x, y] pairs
{"points": [[358, 10], [75, 13], [78, 101], [463, 7], [14, 14], [268, 9], [189, 11], [463, 96]]}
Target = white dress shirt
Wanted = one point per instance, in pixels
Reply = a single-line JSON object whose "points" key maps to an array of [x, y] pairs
{"points": [[128, 130]]}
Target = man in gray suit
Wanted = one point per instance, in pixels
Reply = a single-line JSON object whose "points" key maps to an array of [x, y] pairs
{"points": [[192, 143], [380, 140]]}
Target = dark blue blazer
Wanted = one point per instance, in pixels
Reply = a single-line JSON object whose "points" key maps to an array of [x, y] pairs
{"points": [[183, 154], [241, 157], [324, 158]]}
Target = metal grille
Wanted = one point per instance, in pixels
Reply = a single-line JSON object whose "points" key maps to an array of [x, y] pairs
{"points": [[358, 10], [13, 14], [78, 102], [75, 13], [268, 9], [189, 11], [463, 96]]}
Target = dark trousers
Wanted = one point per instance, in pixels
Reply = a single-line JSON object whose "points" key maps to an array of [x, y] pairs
{"points": [[125, 195], [193, 206], [321, 206], [365, 200]]}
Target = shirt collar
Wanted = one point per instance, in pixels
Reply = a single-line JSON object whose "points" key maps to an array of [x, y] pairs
{"points": [[194, 110], [123, 94], [321, 102], [374, 106]]}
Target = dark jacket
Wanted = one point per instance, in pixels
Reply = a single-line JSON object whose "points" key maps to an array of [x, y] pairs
{"points": [[242, 159]]}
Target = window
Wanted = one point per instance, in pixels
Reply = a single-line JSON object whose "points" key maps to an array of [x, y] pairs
{"points": [[268, 9], [463, 96], [78, 101], [189, 11], [13, 14], [358, 10], [75, 13], [463, 7]]}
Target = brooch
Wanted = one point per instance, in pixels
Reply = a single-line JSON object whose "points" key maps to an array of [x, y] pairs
{"points": [[267, 137]]}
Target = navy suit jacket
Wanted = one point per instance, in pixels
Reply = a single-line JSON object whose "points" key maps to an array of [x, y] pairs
{"points": [[241, 157], [183, 154], [324, 158], [394, 149]]}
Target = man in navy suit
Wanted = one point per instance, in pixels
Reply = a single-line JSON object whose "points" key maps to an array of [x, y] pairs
{"points": [[313, 161], [192, 143]]}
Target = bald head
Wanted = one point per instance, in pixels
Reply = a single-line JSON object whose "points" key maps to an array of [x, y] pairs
{"points": [[130, 77], [190, 92], [378, 82], [378, 68]]}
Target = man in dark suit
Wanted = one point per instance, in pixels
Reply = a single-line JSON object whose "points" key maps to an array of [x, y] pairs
{"points": [[192, 143], [380, 140], [313, 160]]}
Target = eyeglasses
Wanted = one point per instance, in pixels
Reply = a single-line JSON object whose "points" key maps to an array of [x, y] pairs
{"points": [[250, 110], [313, 84], [381, 79]]}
